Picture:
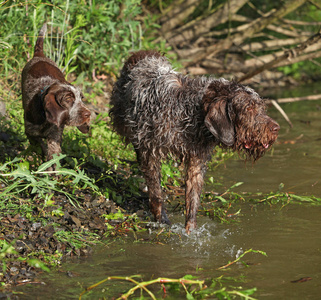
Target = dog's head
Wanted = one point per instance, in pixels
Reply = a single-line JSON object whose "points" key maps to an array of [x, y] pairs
{"points": [[63, 105], [236, 116]]}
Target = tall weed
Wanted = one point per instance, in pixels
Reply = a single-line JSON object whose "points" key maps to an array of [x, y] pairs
{"points": [[18, 179], [84, 37]]}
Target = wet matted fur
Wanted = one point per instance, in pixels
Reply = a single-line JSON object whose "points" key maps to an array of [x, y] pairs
{"points": [[162, 112], [49, 102]]}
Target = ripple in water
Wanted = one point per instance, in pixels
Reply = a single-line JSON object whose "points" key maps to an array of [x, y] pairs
{"points": [[207, 240]]}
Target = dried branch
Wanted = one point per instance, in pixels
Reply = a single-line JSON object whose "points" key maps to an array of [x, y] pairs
{"points": [[296, 99], [178, 11], [270, 44], [290, 100], [205, 25], [288, 54], [256, 26], [292, 33], [264, 59], [306, 57], [282, 112], [301, 23]]}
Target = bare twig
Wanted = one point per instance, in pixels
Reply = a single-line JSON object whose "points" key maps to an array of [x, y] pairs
{"points": [[255, 27], [288, 54], [296, 99], [309, 56], [205, 25], [282, 112], [289, 100], [179, 11]]}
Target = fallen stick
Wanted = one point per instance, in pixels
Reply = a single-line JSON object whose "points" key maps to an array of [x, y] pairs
{"points": [[290, 100], [282, 112], [288, 54], [295, 99]]}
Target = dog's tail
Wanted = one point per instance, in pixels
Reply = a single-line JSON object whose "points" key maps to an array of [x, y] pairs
{"points": [[39, 42]]}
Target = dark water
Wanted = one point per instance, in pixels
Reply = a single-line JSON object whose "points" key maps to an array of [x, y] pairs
{"points": [[290, 235]]}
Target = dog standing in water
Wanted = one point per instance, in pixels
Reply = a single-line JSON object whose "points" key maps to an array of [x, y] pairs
{"points": [[162, 112]]}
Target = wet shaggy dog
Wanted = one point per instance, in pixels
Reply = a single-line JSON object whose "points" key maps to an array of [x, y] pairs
{"points": [[162, 112], [49, 102]]}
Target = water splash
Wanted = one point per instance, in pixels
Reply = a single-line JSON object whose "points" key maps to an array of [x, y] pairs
{"points": [[200, 241]]}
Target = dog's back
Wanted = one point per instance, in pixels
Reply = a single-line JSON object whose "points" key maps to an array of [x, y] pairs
{"points": [[127, 99], [154, 107], [138, 56], [39, 72]]}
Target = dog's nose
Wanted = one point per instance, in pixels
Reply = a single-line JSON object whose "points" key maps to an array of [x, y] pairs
{"points": [[275, 127], [86, 114]]}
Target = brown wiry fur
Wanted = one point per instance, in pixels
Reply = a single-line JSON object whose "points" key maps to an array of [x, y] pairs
{"points": [[162, 112], [49, 102]]}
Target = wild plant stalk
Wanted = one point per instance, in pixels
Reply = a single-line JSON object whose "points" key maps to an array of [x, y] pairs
{"points": [[143, 285], [239, 258]]}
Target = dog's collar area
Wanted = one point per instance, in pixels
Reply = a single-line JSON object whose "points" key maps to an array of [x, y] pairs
{"points": [[43, 93], [44, 90]]}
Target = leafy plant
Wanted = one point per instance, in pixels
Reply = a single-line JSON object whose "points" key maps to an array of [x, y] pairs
{"points": [[77, 240], [238, 259], [193, 288], [170, 173], [41, 182], [92, 37], [7, 249]]}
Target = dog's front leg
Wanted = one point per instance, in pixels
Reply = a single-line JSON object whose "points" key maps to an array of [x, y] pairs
{"points": [[151, 169], [54, 146], [35, 143], [195, 171]]}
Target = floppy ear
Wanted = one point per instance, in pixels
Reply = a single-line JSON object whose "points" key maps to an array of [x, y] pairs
{"points": [[218, 122], [55, 113]]}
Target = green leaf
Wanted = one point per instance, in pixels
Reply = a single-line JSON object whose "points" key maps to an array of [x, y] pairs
{"points": [[235, 185], [55, 160], [189, 296], [221, 199], [116, 216], [4, 166], [38, 264]]}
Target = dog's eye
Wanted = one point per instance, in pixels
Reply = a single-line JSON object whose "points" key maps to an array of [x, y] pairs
{"points": [[67, 100]]}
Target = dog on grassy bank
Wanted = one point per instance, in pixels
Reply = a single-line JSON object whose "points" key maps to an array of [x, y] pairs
{"points": [[162, 112], [49, 102]]}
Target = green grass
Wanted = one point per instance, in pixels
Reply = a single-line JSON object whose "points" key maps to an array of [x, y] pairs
{"points": [[23, 182], [88, 38]]}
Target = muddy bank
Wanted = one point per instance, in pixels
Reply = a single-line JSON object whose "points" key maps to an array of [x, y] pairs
{"points": [[49, 233]]}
